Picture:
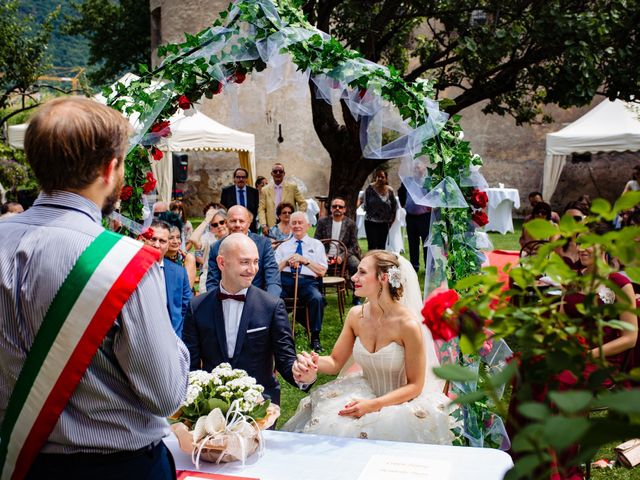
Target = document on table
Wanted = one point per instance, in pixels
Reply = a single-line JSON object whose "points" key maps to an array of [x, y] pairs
{"points": [[393, 467]]}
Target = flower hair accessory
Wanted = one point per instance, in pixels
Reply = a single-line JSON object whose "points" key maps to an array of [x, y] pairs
{"points": [[394, 277]]}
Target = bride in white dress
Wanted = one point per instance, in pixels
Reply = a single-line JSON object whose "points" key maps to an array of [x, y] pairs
{"points": [[395, 396]]}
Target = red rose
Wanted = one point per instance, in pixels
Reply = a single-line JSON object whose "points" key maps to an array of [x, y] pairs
{"points": [[184, 103], [150, 184], [161, 128], [566, 379], [126, 192], [480, 218], [148, 233], [156, 154], [239, 76], [215, 88], [433, 313], [362, 92], [479, 199]]}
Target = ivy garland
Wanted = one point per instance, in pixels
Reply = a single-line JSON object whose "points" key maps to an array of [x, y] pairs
{"points": [[190, 72]]}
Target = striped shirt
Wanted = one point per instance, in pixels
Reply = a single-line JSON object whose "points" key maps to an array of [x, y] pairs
{"points": [[139, 374]]}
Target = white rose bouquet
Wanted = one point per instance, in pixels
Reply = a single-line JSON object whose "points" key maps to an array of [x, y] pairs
{"points": [[222, 415]]}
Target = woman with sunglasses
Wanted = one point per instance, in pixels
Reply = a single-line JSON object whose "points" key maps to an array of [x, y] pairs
{"points": [[282, 230], [215, 222]]}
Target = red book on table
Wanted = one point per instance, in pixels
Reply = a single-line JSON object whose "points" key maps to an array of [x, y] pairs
{"points": [[184, 474]]}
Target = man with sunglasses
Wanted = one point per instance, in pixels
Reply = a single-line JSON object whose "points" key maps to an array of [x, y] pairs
{"points": [[339, 226], [241, 194], [275, 193]]}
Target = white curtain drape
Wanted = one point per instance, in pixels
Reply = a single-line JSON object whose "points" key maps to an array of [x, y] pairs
{"points": [[163, 171], [553, 165]]}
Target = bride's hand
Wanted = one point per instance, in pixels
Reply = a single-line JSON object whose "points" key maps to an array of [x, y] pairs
{"points": [[304, 369], [359, 408]]}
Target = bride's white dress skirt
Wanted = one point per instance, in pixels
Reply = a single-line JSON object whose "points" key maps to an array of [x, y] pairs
{"points": [[425, 419]]}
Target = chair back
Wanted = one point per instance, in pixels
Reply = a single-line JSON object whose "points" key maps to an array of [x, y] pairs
{"points": [[334, 268]]}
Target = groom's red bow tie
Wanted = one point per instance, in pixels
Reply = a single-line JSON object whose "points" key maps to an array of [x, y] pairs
{"points": [[228, 296]]}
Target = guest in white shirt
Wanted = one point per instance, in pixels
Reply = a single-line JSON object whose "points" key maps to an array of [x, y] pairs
{"points": [[308, 256]]}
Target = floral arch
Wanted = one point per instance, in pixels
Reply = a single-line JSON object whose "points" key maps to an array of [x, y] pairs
{"points": [[251, 35]]}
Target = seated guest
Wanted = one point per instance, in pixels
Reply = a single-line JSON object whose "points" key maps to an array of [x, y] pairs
{"points": [[178, 291], [535, 197], [215, 222], [307, 255], [282, 229], [268, 276], [618, 343], [177, 255], [10, 208], [340, 227], [541, 210], [633, 185], [236, 322], [241, 194], [569, 251]]}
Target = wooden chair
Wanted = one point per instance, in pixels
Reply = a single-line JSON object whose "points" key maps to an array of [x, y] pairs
{"points": [[289, 302], [336, 275]]}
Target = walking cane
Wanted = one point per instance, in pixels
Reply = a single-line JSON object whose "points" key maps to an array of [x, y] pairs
{"points": [[295, 301]]}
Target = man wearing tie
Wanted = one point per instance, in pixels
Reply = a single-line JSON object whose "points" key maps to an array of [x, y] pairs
{"points": [[241, 324], [241, 194], [307, 255]]}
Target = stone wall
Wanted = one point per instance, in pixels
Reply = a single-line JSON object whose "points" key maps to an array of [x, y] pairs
{"points": [[512, 155]]}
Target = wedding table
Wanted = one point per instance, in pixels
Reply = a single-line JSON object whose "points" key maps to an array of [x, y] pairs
{"points": [[501, 203], [297, 456]]}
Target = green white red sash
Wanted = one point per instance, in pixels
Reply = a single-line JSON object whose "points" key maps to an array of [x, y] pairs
{"points": [[79, 317]]}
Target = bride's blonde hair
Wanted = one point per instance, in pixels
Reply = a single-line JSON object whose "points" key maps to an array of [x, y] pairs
{"points": [[383, 261]]}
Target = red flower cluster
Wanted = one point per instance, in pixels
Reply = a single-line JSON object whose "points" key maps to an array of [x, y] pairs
{"points": [[479, 199], [480, 218], [184, 103], [239, 76], [434, 311], [156, 154], [150, 184], [161, 128], [148, 233], [215, 88], [126, 192]]}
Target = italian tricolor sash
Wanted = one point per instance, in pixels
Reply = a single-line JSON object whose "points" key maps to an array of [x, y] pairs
{"points": [[80, 315]]}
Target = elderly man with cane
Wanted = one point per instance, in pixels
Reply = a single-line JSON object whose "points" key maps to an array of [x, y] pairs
{"points": [[303, 261]]}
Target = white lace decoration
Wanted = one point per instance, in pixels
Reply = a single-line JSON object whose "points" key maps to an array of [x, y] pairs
{"points": [[394, 277], [607, 295]]}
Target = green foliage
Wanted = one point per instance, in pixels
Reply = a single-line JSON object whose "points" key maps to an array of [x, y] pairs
{"points": [[15, 173], [560, 372], [118, 32], [23, 50]]}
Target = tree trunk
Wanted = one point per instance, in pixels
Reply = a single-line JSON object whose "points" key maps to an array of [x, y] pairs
{"points": [[349, 170]]}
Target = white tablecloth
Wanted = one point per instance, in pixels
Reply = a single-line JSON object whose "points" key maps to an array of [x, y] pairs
{"points": [[297, 456], [501, 203]]}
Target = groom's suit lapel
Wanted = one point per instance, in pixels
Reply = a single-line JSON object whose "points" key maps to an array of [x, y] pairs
{"points": [[244, 321], [218, 321]]}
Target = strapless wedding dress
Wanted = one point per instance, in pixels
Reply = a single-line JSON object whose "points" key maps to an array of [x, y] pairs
{"points": [[425, 419]]}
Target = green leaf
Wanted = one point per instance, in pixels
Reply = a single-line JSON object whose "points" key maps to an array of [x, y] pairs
{"points": [[534, 410], [626, 401], [469, 398], [540, 229], [561, 431], [504, 376], [214, 403], [455, 373], [571, 402], [627, 201], [600, 206]]}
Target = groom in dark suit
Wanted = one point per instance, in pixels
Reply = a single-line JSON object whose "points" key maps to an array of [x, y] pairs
{"points": [[241, 194], [243, 325]]}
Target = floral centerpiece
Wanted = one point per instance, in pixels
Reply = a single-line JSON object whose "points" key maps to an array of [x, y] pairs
{"points": [[222, 415]]}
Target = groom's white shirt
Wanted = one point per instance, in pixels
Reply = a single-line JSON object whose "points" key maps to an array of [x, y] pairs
{"points": [[232, 311]]}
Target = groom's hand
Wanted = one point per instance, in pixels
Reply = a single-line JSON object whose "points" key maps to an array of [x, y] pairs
{"points": [[304, 370]]}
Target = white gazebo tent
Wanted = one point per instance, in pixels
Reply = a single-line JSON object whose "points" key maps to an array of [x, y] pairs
{"points": [[609, 127], [193, 131]]}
